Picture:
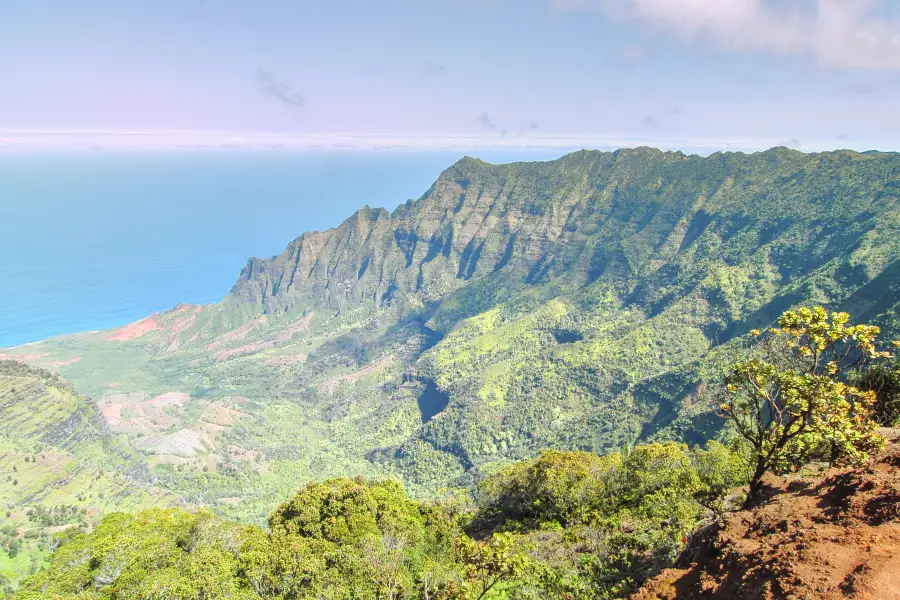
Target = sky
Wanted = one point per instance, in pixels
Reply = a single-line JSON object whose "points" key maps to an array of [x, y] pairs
{"points": [[804, 73]]}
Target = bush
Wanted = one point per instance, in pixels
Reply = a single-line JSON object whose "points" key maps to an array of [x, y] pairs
{"points": [[884, 380], [564, 523], [557, 488]]}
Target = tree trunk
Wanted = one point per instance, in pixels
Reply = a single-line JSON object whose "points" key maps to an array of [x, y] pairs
{"points": [[753, 493]]}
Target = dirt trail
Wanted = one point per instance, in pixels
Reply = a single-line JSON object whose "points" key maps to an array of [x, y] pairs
{"points": [[833, 537]]}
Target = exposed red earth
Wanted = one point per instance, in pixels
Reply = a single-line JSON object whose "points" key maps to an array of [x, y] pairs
{"points": [[835, 536], [134, 330]]}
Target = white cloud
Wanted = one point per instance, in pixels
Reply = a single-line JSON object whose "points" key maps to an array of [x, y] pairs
{"points": [[852, 34]]}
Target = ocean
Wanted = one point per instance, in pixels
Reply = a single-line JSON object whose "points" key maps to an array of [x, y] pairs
{"points": [[96, 240]]}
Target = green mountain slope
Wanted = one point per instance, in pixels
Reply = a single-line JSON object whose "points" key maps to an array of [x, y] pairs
{"points": [[59, 466], [587, 303]]}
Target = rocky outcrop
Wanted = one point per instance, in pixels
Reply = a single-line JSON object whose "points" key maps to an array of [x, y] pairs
{"points": [[634, 216], [476, 220]]}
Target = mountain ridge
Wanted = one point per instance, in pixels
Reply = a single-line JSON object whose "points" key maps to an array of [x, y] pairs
{"points": [[588, 303], [60, 466], [411, 226]]}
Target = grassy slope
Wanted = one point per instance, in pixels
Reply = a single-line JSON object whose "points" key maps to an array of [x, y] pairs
{"points": [[56, 455]]}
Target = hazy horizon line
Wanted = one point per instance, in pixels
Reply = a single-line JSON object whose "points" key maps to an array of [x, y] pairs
{"points": [[31, 140]]}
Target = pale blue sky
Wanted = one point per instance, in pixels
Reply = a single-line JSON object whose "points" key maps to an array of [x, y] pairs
{"points": [[821, 72]]}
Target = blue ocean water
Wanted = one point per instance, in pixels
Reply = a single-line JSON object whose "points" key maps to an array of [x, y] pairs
{"points": [[96, 240]]}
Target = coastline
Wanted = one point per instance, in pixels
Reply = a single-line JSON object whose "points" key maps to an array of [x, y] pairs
{"points": [[47, 339], [25, 344]]}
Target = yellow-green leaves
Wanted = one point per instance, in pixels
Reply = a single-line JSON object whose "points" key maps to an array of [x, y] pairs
{"points": [[486, 564], [796, 402], [814, 329]]}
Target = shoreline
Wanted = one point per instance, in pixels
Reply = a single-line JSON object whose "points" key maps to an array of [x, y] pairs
{"points": [[25, 344], [41, 341]]}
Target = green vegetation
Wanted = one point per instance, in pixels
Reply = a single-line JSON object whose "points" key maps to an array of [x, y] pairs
{"points": [[792, 401], [566, 524], [590, 304], [59, 470], [884, 381]]}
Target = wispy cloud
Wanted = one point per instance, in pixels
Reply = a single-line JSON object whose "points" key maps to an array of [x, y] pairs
{"points": [[853, 34], [650, 122], [486, 121], [869, 88], [632, 53], [530, 126], [88, 141], [281, 89]]}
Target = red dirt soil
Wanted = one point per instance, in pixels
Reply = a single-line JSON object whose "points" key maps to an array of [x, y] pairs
{"points": [[135, 330], [837, 536], [238, 334]]}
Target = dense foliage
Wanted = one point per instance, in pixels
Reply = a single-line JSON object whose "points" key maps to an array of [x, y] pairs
{"points": [[884, 381], [565, 523], [57, 468]]}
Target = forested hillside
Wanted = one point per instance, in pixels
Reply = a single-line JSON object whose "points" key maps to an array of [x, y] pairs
{"points": [[569, 525], [563, 525], [587, 303]]}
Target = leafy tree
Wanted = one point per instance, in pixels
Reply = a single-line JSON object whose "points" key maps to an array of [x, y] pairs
{"points": [[791, 399], [486, 564], [13, 547], [388, 559], [597, 527], [158, 553], [375, 541], [338, 510], [577, 526], [281, 566], [5, 585], [720, 469], [556, 488]]}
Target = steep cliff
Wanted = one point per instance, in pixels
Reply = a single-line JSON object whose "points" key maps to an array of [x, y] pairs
{"points": [[642, 218]]}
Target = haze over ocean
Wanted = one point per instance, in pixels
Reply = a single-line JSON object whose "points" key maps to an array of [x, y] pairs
{"points": [[97, 240]]}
